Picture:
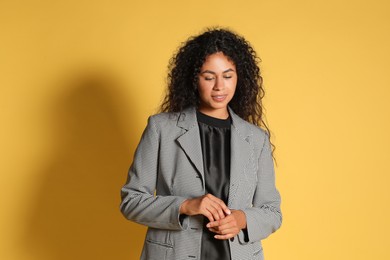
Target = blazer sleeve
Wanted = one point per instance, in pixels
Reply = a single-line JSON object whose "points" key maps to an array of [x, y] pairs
{"points": [[265, 216], [139, 203]]}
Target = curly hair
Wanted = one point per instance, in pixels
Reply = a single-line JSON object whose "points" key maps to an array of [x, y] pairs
{"points": [[185, 65]]}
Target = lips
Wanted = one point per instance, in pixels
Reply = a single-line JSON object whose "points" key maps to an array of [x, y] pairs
{"points": [[219, 98]]}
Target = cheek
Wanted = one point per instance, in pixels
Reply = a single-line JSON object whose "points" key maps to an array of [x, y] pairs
{"points": [[233, 86], [203, 89]]}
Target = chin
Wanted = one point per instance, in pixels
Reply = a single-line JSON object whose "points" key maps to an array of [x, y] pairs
{"points": [[219, 106]]}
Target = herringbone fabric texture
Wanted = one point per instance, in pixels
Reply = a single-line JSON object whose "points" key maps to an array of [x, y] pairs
{"points": [[168, 168]]}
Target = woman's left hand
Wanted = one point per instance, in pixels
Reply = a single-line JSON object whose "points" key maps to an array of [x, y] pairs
{"points": [[229, 226]]}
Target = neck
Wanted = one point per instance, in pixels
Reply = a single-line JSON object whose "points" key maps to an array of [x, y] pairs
{"points": [[217, 113]]}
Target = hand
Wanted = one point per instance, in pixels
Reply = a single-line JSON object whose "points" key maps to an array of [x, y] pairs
{"points": [[208, 205], [229, 226]]}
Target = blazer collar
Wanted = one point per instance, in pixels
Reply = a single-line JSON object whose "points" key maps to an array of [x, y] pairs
{"points": [[187, 118]]}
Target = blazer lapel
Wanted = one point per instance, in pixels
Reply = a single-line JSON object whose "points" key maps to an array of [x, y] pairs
{"points": [[240, 153], [240, 147], [190, 140]]}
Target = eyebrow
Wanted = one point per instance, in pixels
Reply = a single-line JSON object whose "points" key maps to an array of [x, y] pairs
{"points": [[212, 72]]}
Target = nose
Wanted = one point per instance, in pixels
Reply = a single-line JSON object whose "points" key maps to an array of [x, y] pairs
{"points": [[219, 84]]}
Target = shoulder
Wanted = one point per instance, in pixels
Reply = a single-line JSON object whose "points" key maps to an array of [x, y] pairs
{"points": [[246, 128], [259, 139], [259, 134], [165, 117], [258, 131], [164, 120], [256, 136]]}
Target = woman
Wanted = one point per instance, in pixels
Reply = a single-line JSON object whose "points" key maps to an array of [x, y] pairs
{"points": [[202, 178]]}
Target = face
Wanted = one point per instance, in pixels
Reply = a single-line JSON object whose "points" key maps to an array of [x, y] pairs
{"points": [[217, 82]]}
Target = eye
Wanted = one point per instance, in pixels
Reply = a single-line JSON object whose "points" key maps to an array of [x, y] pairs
{"points": [[209, 78], [228, 76]]}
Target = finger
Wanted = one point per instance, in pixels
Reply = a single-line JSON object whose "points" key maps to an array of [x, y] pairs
{"points": [[216, 200], [211, 206], [218, 231], [220, 222], [224, 237], [219, 209], [208, 215], [214, 211], [221, 204], [226, 228], [212, 224], [227, 210], [216, 203], [214, 230]]}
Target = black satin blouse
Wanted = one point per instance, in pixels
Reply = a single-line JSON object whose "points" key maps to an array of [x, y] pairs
{"points": [[215, 140]]}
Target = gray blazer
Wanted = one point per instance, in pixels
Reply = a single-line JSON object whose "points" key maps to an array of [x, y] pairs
{"points": [[168, 168]]}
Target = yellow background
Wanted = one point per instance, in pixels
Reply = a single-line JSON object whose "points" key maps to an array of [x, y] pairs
{"points": [[79, 79]]}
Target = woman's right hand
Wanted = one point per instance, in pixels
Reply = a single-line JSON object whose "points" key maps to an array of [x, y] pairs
{"points": [[207, 205]]}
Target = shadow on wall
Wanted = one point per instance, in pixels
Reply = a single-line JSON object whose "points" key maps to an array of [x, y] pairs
{"points": [[77, 215]]}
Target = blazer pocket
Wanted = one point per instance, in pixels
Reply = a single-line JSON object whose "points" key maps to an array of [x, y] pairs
{"points": [[159, 236], [158, 245], [157, 251], [258, 251]]}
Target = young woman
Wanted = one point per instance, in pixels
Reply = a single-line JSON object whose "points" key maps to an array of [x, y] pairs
{"points": [[202, 178]]}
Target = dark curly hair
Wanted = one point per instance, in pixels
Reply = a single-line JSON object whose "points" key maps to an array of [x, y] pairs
{"points": [[185, 65]]}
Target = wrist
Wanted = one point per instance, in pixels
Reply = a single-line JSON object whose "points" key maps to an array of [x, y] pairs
{"points": [[242, 220], [182, 209]]}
